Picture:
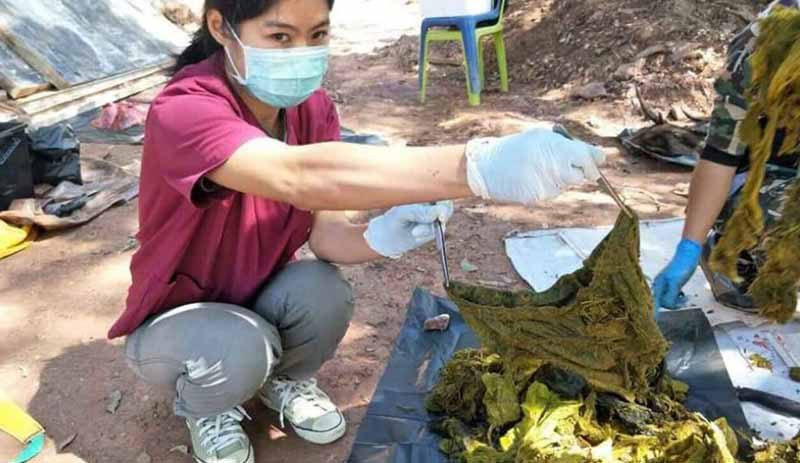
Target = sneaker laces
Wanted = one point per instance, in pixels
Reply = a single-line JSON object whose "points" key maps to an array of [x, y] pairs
{"points": [[220, 431], [288, 390]]}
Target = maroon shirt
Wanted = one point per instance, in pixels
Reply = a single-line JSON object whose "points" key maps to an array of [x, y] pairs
{"points": [[210, 247]]}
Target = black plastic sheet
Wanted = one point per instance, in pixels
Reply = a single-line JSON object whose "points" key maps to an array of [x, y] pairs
{"points": [[56, 155], [395, 429], [668, 143]]}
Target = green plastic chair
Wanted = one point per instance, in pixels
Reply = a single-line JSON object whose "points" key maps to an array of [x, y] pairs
{"points": [[470, 32]]}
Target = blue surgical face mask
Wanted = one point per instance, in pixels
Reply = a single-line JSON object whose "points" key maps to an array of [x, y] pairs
{"points": [[281, 77]]}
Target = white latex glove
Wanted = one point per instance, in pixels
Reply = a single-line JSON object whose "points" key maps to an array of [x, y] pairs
{"points": [[529, 166], [404, 228]]}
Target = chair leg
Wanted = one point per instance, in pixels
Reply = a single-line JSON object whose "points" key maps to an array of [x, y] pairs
{"points": [[423, 65], [470, 43], [481, 64], [500, 47]]}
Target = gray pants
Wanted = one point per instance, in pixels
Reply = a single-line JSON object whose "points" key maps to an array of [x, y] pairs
{"points": [[217, 356]]}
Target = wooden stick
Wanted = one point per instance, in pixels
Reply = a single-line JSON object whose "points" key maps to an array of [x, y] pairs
{"points": [[20, 91], [88, 103], [611, 191], [653, 116], [46, 100]]}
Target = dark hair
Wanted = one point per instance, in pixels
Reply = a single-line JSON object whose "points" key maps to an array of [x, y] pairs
{"points": [[203, 44]]}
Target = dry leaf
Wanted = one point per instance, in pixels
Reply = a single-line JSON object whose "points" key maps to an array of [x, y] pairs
{"points": [[60, 446]]}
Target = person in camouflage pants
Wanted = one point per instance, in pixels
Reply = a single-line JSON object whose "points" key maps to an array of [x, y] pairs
{"points": [[717, 183]]}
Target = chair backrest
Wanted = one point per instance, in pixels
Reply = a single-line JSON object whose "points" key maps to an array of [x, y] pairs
{"points": [[502, 4], [498, 10]]}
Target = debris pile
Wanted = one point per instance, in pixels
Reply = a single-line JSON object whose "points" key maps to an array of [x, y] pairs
{"points": [[572, 374], [671, 49]]}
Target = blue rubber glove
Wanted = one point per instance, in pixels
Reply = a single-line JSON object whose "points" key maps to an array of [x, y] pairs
{"points": [[668, 284]]}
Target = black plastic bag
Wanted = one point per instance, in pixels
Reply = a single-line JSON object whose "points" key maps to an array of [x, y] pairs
{"points": [[56, 155], [16, 177]]}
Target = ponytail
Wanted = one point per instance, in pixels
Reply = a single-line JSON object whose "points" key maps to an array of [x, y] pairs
{"points": [[203, 45]]}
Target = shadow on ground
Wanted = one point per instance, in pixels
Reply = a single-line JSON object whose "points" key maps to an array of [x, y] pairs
{"points": [[74, 392]]}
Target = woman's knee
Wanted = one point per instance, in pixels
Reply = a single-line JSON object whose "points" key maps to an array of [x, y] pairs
{"points": [[215, 355], [311, 304], [307, 289]]}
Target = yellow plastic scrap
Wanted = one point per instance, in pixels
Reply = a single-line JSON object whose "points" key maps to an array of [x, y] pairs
{"points": [[15, 422], [15, 239]]}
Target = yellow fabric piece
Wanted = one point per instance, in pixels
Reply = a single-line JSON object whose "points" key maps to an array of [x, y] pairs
{"points": [[14, 239], [16, 422]]}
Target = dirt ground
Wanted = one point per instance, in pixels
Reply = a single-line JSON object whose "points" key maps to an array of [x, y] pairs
{"points": [[58, 298]]}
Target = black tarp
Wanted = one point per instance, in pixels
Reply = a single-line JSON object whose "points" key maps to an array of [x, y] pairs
{"points": [[395, 429]]}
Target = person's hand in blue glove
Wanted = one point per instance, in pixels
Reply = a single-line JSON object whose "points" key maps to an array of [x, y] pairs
{"points": [[668, 284]]}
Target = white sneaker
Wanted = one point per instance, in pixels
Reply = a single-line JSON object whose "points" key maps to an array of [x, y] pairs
{"points": [[221, 439], [309, 410]]}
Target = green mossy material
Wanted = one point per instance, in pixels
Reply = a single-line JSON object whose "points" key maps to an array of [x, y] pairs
{"points": [[773, 106], [607, 305], [495, 406]]}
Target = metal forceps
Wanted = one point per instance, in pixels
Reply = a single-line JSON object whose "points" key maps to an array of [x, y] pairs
{"points": [[438, 229], [609, 189], [602, 181]]}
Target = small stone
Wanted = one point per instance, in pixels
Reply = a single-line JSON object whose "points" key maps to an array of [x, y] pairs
{"points": [[114, 400], [438, 323], [184, 449], [468, 266], [144, 458], [626, 72], [593, 122], [590, 91]]}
